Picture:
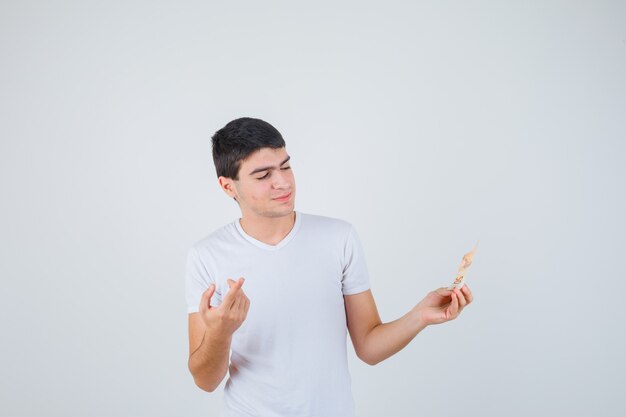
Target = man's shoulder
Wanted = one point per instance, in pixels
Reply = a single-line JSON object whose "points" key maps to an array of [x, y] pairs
{"points": [[221, 235]]}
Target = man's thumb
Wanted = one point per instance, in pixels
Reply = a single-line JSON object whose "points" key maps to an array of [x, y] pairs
{"points": [[232, 282], [443, 291]]}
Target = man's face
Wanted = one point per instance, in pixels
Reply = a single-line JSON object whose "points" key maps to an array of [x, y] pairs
{"points": [[265, 175]]}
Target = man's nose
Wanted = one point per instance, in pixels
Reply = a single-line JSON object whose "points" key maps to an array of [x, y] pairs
{"points": [[281, 179]]}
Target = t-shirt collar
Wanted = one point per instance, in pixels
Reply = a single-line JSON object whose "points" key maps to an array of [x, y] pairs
{"points": [[280, 244]]}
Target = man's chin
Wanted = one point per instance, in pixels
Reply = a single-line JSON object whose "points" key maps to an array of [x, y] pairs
{"points": [[285, 211], [277, 211]]}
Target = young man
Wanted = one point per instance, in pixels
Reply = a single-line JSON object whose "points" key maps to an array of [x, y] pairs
{"points": [[306, 284]]}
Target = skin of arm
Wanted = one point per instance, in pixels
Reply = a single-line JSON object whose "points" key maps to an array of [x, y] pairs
{"points": [[208, 354], [375, 341]]}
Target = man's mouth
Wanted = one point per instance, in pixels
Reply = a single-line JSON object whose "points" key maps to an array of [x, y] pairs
{"points": [[283, 197]]}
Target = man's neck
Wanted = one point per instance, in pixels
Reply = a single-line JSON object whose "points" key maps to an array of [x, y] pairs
{"points": [[269, 230]]}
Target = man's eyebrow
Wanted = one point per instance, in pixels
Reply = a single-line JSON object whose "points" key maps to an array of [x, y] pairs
{"points": [[266, 168]]}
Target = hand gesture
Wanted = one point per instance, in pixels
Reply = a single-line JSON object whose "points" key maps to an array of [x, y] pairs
{"points": [[443, 305], [228, 316]]}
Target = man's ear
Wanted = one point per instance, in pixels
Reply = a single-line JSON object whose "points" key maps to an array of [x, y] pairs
{"points": [[227, 185]]}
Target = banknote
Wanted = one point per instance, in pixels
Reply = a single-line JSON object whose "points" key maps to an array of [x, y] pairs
{"points": [[459, 281]]}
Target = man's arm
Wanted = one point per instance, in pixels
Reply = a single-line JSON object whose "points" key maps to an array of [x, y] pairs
{"points": [[375, 341], [211, 332], [208, 355]]}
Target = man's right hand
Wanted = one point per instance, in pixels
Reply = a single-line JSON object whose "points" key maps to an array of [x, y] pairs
{"points": [[230, 314]]}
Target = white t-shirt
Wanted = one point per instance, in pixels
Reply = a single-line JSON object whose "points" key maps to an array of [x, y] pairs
{"points": [[289, 356]]}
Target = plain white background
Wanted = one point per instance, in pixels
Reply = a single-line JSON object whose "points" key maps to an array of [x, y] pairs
{"points": [[428, 125]]}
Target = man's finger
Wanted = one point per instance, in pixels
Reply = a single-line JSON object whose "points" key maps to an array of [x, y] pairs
{"points": [[468, 293], [231, 295], [461, 298], [237, 303], [443, 291], [242, 305], [454, 306], [239, 282]]}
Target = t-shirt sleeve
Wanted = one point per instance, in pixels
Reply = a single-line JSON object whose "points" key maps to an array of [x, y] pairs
{"points": [[197, 280], [355, 274]]}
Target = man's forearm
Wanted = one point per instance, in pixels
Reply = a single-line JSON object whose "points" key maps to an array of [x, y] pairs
{"points": [[209, 363], [387, 339]]}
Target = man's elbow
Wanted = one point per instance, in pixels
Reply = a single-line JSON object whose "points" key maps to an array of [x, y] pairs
{"points": [[204, 387], [204, 383], [368, 360]]}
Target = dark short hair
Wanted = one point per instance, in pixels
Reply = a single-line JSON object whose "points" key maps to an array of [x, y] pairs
{"points": [[238, 139]]}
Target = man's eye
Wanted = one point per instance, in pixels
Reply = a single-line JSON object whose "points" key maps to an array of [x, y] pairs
{"points": [[268, 174]]}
